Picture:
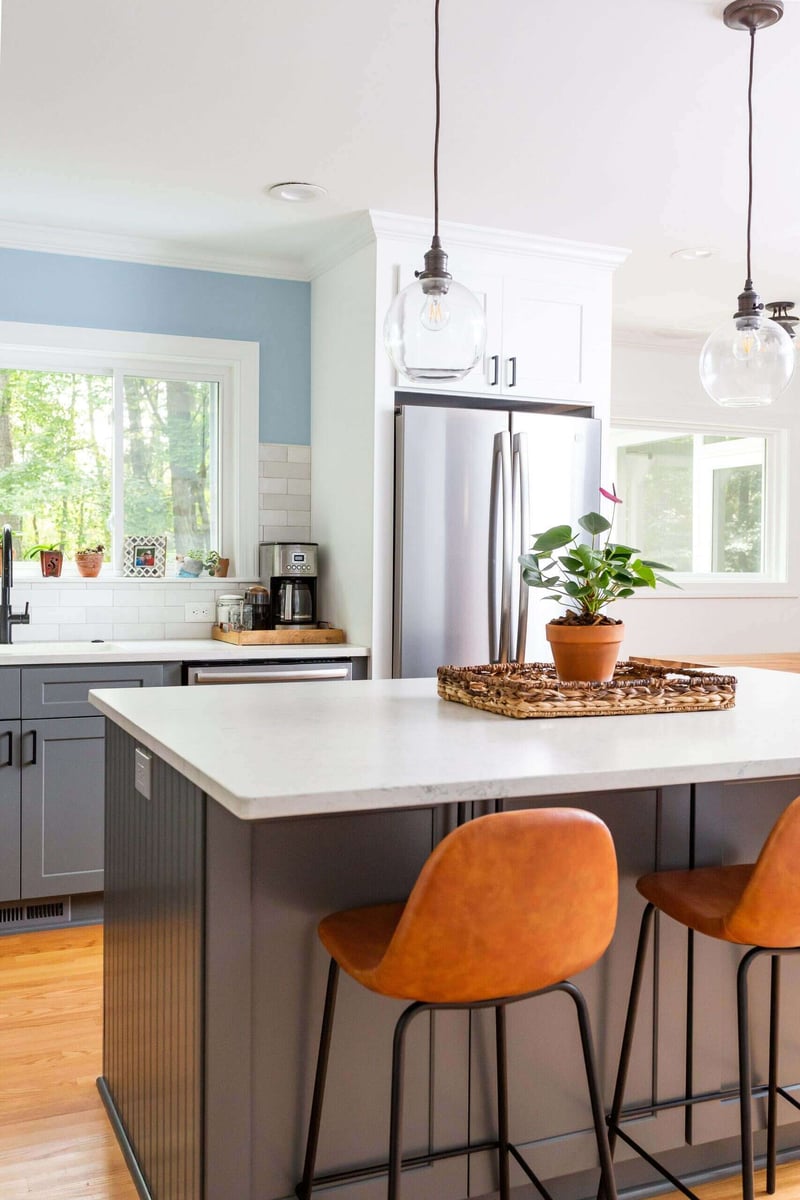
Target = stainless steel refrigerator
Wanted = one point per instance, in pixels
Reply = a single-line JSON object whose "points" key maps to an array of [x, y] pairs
{"points": [[472, 486]]}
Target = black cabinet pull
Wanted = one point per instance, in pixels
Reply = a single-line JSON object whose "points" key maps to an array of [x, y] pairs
{"points": [[513, 362], [31, 762], [495, 361], [9, 759]]}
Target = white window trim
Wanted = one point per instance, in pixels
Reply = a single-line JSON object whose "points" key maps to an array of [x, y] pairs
{"points": [[777, 579], [234, 365]]}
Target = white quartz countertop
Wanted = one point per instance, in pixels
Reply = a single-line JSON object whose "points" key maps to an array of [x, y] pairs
{"points": [[295, 749], [24, 654]]}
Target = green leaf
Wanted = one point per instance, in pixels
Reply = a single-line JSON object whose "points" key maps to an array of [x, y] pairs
{"points": [[645, 573], [553, 539], [533, 580], [591, 559], [623, 593], [669, 582], [594, 522], [619, 551], [571, 563], [646, 562], [576, 590]]}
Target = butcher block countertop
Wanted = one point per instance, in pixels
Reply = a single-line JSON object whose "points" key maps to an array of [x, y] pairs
{"points": [[768, 662]]}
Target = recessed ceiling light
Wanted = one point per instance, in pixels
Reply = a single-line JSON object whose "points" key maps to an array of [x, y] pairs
{"points": [[296, 193], [692, 253]]}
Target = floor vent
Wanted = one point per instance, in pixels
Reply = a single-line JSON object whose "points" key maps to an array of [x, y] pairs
{"points": [[25, 916]]}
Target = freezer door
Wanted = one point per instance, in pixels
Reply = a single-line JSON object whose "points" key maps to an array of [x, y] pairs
{"points": [[450, 470], [556, 471]]}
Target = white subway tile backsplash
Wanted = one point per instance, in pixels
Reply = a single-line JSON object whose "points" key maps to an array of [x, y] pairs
{"points": [[112, 608], [178, 595], [289, 470], [187, 629], [48, 615], [297, 502], [84, 597], [36, 633], [274, 485], [285, 533], [163, 612], [138, 631]]}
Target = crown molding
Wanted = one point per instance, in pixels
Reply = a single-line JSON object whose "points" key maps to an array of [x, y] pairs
{"points": [[507, 241], [357, 233], [49, 239], [678, 341]]}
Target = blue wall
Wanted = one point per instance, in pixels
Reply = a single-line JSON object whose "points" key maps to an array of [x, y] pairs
{"points": [[59, 289]]}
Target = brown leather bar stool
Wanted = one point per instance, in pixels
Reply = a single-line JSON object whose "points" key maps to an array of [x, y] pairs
{"points": [[753, 904], [506, 907]]}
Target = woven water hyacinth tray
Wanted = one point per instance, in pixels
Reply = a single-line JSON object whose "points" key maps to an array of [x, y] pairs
{"points": [[532, 690]]}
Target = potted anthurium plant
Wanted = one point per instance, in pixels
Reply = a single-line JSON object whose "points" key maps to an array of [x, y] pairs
{"points": [[586, 578]]}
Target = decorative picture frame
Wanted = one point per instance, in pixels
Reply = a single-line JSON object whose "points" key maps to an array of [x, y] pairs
{"points": [[144, 557]]}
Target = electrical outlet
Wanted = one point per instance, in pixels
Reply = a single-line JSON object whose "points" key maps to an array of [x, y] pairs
{"points": [[199, 612]]}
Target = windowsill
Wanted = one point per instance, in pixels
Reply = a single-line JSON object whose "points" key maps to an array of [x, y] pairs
{"points": [[23, 578], [709, 589]]}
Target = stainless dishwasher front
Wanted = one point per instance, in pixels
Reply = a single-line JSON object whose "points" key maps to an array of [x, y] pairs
{"points": [[288, 671]]}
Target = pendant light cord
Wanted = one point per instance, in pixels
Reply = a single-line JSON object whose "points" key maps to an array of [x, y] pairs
{"points": [[749, 282], [438, 121]]}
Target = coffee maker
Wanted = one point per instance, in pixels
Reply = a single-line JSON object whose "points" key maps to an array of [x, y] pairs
{"points": [[289, 570]]}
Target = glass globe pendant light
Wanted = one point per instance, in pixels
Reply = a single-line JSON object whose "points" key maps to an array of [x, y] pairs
{"points": [[749, 360], [435, 328]]}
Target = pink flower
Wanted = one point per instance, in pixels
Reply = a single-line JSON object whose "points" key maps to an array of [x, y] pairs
{"points": [[612, 495]]}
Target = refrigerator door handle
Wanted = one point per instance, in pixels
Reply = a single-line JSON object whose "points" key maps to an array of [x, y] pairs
{"points": [[521, 509], [500, 511]]}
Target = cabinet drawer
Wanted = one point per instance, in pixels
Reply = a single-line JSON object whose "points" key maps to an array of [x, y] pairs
{"points": [[9, 693], [64, 691]]}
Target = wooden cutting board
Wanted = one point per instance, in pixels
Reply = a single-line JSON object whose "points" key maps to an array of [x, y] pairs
{"points": [[279, 637]]}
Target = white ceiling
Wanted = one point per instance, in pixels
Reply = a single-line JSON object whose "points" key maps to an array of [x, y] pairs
{"points": [[612, 121]]}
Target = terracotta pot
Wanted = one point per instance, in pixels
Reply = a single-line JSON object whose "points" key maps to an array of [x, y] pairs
{"points": [[586, 653], [89, 564], [221, 569], [51, 562]]}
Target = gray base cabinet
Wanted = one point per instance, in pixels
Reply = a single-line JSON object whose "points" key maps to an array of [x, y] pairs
{"points": [[52, 770]]}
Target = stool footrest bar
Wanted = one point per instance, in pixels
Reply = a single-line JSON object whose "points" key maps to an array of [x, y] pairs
{"points": [[534, 1178], [656, 1165], [788, 1096], [645, 1110], [419, 1160]]}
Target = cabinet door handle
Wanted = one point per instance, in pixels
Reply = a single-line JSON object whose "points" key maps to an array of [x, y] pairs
{"points": [[9, 759], [495, 379], [512, 362], [31, 762]]}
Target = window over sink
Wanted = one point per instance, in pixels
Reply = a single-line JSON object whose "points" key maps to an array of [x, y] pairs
{"points": [[105, 435], [710, 502]]}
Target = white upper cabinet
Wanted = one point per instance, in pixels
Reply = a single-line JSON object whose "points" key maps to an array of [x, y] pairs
{"points": [[542, 336]]}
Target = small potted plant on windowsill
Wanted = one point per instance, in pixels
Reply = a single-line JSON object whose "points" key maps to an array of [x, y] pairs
{"points": [[51, 558], [215, 565], [585, 579], [89, 561]]}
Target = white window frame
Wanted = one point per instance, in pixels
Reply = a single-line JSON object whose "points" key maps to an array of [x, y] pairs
{"points": [[774, 579], [233, 365]]}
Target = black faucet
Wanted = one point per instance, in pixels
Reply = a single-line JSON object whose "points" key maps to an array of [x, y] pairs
{"points": [[7, 617]]}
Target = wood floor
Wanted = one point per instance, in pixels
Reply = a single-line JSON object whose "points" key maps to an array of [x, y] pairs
{"points": [[55, 1141]]}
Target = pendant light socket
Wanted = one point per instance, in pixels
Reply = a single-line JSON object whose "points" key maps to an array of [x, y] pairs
{"points": [[435, 278], [751, 307]]}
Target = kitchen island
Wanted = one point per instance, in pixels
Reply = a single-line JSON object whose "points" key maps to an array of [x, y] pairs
{"points": [[236, 820]]}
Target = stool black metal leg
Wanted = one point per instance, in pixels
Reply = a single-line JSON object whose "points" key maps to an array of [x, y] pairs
{"points": [[609, 1187], [630, 1025], [772, 1102], [304, 1189], [396, 1112], [502, 1101], [745, 1075]]}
